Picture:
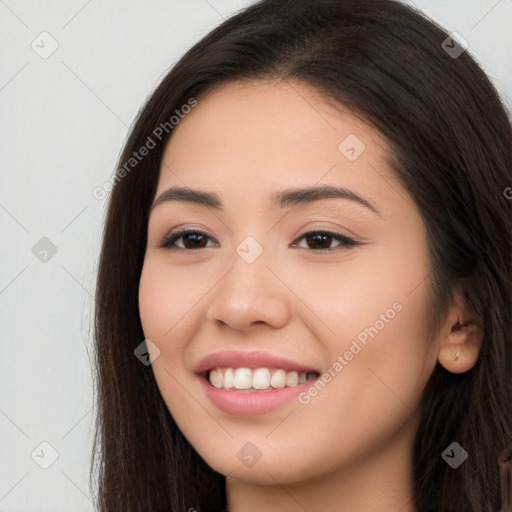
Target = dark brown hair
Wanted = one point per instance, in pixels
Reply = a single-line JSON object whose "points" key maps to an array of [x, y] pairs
{"points": [[450, 146]]}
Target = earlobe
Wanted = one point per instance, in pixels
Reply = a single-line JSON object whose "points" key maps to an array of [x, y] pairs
{"points": [[460, 348]]}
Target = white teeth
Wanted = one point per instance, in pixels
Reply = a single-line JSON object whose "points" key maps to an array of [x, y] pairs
{"points": [[278, 379], [216, 378], [257, 379], [229, 379], [243, 378], [261, 378], [292, 379]]}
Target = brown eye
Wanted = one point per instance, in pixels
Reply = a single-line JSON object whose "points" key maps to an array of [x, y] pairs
{"points": [[191, 240], [323, 239]]}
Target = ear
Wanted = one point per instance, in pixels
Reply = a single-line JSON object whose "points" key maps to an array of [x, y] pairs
{"points": [[461, 338]]}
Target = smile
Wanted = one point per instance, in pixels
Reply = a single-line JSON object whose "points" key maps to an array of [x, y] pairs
{"points": [[252, 383], [258, 379]]}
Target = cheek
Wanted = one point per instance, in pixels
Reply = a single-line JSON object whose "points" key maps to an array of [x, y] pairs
{"points": [[383, 382], [359, 294], [154, 304], [166, 303], [167, 317], [160, 309], [372, 395]]}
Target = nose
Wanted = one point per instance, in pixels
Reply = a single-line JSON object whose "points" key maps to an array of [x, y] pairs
{"points": [[249, 294]]}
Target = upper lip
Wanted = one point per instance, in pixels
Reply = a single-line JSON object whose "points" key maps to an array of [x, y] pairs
{"points": [[253, 359]]}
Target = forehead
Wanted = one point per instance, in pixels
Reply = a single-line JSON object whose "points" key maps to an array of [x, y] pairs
{"points": [[266, 136]]}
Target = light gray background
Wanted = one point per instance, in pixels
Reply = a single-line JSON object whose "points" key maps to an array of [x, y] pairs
{"points": [[64, 120]]}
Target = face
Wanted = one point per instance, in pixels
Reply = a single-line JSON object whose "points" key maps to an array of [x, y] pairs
{"points": [[271, 287]]}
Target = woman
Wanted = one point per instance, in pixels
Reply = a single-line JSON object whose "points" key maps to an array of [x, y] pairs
{"points": [[312, 249]]}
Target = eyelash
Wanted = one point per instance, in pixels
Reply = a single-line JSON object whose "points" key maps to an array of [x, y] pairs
{"points": [[169, 241]]}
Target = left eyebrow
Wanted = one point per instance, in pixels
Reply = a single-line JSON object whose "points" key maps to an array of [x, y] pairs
{"points": [[292, 197], [288, 197]]}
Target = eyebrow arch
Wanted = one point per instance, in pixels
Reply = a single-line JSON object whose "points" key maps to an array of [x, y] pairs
{"points": [[288, 197]]}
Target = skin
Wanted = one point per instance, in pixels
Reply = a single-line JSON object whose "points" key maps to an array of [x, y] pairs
{"points": [[350, 447]]}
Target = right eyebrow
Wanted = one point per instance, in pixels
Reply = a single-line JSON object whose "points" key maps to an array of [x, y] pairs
{"points": [[190, 195]]}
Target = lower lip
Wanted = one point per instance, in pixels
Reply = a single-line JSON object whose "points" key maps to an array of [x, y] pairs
{"points": [[251, 403]]}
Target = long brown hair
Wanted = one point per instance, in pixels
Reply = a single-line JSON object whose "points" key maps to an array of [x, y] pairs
{"points": [[451, 148]]}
